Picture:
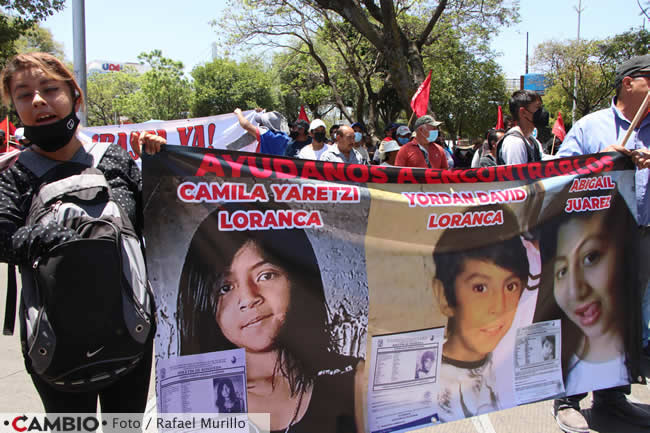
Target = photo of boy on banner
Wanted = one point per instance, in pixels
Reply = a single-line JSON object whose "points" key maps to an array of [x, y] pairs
{"points": [[589, 282], [262, 291], [481, 273]]}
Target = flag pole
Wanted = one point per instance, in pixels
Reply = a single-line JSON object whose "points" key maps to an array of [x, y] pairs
{"points": [[637, 118], [553, 146], [411, 119]]}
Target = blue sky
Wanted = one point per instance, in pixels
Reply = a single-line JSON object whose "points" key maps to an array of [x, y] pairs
{"points": [[119, 30]]}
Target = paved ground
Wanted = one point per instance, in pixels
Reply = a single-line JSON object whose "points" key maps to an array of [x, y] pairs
{"points": [[18, 395]]}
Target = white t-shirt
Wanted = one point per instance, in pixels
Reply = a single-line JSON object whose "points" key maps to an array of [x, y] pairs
{"points": [[467, 389], [308, 152], [585, 376]]}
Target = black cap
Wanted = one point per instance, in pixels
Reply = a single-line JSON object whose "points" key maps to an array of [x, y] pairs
{"points": [[632, 66]]}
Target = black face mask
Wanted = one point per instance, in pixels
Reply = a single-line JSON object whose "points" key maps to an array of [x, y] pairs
{"points": [[540, 118], [319, 136], [54, 136], [293, 134]]}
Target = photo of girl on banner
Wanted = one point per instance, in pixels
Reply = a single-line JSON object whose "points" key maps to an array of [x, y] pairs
{"points": [[589, 282], [262, 291], [481, 273], [227, 398]]}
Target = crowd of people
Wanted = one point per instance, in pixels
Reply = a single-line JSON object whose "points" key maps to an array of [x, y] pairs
{"points": [[46, 97], [423, 146]]}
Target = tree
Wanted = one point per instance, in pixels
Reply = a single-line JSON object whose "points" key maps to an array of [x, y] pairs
{"points": [[39, 39], [223, 85], [108, 95], [17, 17], [164, 92], [467, 88], [388, 26], [592, 64]]}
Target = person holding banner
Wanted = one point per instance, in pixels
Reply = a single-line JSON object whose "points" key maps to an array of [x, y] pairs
{"points": [[262, 291], [623, 127], [481, 273], [272, 137], [46, 97]]}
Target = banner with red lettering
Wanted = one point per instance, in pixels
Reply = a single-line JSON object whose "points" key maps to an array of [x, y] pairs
{"points": [[373, 298], [214, 132]]}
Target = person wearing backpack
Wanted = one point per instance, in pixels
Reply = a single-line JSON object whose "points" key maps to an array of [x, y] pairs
{"points": [[46, 97], [519, 146]]}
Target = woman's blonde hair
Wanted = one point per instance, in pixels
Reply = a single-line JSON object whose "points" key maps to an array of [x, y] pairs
{"points": [[50, 65]]}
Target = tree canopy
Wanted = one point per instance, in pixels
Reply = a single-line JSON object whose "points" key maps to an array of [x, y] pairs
{"points": [[396, 31], [590, 63], [18, 17]]}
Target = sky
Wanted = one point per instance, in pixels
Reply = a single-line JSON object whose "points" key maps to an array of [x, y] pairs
{"points": [[119, 30]]}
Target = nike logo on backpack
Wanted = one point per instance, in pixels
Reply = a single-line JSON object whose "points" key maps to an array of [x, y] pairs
{"points": [[91, 354]]}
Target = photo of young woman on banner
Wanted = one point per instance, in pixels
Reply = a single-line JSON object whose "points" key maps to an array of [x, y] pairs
{"points": [[590, 283], [262, 291]]}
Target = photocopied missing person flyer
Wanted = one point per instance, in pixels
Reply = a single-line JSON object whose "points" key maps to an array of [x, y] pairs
{"points": [[403, 380], [205, 383], [538, 368]]}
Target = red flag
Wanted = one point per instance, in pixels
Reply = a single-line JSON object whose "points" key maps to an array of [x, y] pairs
{"points": [[499, 118], [558, 128], [303, 115], [8, 128], [420, 100]]}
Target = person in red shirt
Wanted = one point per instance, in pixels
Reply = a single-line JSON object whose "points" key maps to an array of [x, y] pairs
{"points": [[422, 152]]}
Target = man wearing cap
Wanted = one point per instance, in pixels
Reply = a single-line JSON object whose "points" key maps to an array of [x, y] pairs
{"points": [[299, 138], [343, 149], [360, 141], [271, 135], [403, 135], [600, 132], [318, 143], [422, 151]]}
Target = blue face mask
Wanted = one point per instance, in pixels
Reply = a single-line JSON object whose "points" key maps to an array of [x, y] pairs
{"points": [[432, 136], [402, 140], [357, 137]]}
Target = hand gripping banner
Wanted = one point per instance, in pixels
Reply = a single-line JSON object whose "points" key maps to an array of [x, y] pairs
{"points": [[350, 298]]}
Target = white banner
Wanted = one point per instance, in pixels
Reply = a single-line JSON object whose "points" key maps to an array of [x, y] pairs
{"points": [[216, 132]]}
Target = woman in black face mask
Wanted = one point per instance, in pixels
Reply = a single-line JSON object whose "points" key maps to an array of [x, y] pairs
{"points": [[46, 97]]}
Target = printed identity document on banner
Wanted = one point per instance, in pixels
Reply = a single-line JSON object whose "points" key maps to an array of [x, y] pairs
{"points": [[538, 368], [191, 383], [404, 372]]}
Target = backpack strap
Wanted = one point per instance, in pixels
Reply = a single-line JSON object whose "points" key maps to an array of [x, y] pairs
{"points": [[531, 157], [10, 303], [90, 154]]}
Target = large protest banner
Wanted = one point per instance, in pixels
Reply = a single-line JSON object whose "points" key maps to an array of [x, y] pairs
{"points": [[368, 298], [214, 132]]}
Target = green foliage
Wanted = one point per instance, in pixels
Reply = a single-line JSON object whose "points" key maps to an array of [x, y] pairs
{"points": [[369, 54], [39, 39], [223, 85], [465, 90], [164, 92], [593, 62], [17, 17], [108, 97]]}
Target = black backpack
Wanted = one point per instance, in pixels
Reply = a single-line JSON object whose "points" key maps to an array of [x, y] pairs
{"points": [[532, 151], [86, 304]]}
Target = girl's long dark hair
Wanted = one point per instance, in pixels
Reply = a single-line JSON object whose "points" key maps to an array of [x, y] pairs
{"points": [[221, 401], [622, 230], [303, 344]]}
